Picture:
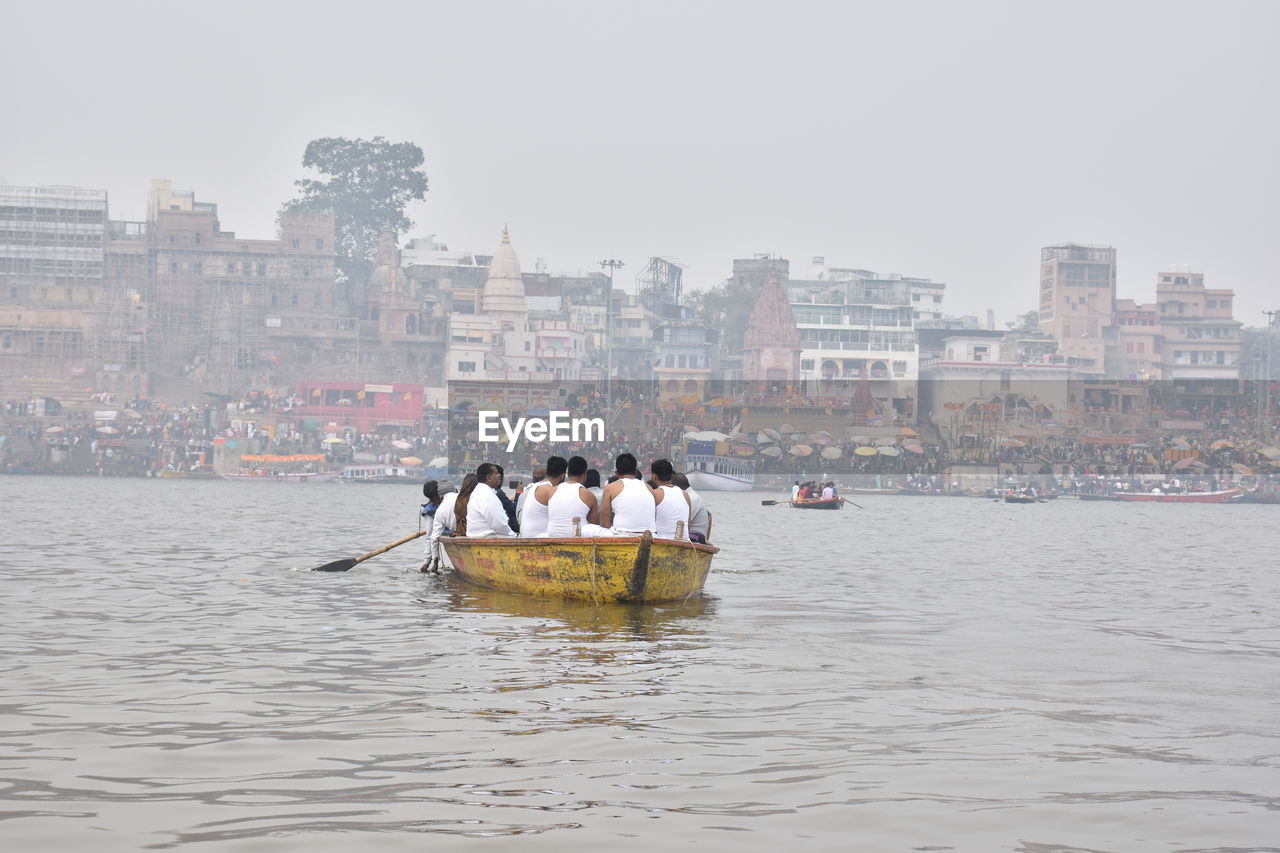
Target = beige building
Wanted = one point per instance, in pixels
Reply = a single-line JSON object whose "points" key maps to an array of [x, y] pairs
{"points": [[1077, 302], [1201, 337]]}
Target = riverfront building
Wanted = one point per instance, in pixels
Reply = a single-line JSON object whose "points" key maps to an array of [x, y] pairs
{"points": [[1077, 302]]}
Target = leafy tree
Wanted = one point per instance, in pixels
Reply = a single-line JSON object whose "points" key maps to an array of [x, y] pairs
{"points": [[727, 307], [366, 183], [1028, 322]]}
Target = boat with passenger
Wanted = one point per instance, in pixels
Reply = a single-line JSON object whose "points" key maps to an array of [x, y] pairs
{"points": [[291, 468], [634, 569], [817, 503]]}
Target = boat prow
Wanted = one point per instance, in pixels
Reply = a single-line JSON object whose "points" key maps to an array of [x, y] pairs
{"points": [[603, 569]]}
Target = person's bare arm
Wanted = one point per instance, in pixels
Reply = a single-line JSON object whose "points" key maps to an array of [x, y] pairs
{"points": [[606, 504], [593, 510]]}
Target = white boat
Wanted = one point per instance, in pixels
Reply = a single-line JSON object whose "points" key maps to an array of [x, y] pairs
{"points": [[720, 473], [382, 474]]}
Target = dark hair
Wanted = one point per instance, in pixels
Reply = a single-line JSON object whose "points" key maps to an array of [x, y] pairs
{"points": [[556, 466], [484, 469], [662, 469], [577, 466], [460, 505], [624, 464], [539, 473], [431, 490], [593, 479], [679, 480], [501, 471]]}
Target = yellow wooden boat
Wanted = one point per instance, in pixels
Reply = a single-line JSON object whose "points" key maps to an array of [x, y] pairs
{"points": [[626, 569]]}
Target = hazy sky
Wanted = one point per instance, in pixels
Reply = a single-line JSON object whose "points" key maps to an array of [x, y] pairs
{"points": [[944, 140]]}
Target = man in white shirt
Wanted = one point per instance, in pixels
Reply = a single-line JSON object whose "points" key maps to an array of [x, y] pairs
{"points": [[485, 515], [828, 492], [699, 515], [441, 523], [538, 475]]}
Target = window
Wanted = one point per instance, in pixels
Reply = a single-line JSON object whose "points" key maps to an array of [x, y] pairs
{"points": [[319, 244], [231, 267], [262, 269], [198, 236], [199, 267], [173, 238], [173, 266], [466, 367], [806, 364], [297, 244]]}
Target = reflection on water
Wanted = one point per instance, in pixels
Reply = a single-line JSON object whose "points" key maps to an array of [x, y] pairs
{"points": [[919, 674], [595, 621]]}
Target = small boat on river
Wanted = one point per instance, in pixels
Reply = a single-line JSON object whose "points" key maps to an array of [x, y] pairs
{"points": [[604, 569], [818, 503], [1219, 497]]}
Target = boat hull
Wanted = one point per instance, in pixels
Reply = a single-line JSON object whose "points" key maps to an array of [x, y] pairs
{"points": [[604, 569], [320, 477], [1184, 498], [833, 503], [707, 481]]}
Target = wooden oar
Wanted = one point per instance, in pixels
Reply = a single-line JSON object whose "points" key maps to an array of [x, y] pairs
{"points": [[773, 503], [344, 565]]}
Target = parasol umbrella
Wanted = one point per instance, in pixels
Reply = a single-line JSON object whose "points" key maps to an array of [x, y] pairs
{"points": [[364, 457], [771, 450], [1196, 463], [1012, 442], [706, 435], [831, 453], [333, 440], [859, 439], [1181, 444], [439, 462], [886, 442], [772, 433], [1183, 464], [744, 450], [865, 451], [801, 450], [108, 430], [410, 460], [1221, 443], [1242, 469], [889, 451], [1270, 452], [132, 414], [55, 429], [761, 438], [818, 438], [913, 448], [786, 428], [400, 444]]}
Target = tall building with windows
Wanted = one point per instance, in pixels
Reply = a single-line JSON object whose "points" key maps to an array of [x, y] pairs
{"points": [[1077, 302]]}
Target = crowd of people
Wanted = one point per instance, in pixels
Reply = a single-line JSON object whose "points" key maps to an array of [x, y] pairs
{"points": [[565, 499]]}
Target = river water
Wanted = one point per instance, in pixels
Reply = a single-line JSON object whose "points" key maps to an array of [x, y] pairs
{"points": [[919, 674]]}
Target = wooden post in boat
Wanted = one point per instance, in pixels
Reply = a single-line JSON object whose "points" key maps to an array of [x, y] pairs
{"points": [[679, 529], [577, 525]]}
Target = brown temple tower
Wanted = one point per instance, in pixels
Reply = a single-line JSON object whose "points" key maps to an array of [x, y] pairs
{"points": [[771, 345]]}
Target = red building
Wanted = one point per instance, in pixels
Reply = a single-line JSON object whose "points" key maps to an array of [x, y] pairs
{"points": [[359, 406]]}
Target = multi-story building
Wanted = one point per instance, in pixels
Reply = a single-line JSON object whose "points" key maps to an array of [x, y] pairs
{"points": [[230, 313], [1077, 302], [52, 266], [1139, 337]]}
